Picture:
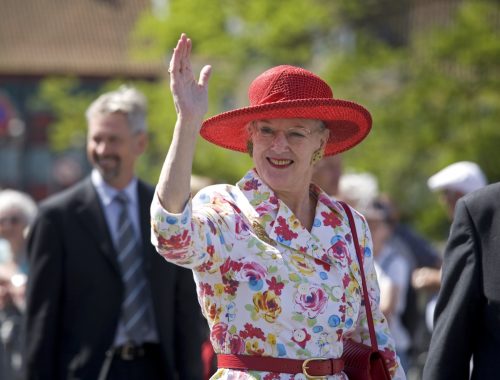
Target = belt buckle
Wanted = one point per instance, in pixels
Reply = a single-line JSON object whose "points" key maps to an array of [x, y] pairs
{"points": [[127, 352], [305, 368]]}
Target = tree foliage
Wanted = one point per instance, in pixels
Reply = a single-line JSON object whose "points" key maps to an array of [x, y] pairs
{"points": [[434, 96]]}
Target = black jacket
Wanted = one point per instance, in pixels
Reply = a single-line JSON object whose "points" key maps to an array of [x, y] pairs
{"points": [[75, 292], [467, 316]]}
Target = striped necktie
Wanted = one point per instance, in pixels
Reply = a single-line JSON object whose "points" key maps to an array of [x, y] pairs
{"points": [[135, 303]]}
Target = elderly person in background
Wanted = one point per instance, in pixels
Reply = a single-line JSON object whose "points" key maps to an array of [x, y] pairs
{"points": [[327, 173], [17, 212], [273, 257], [455, 181], [358, 189], [451, 183]]}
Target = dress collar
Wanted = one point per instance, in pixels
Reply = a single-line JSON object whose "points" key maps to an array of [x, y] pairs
{"points": [[275, 219]]}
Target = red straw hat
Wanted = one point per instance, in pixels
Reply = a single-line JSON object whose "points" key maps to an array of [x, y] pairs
{"points": [[288, 92]]}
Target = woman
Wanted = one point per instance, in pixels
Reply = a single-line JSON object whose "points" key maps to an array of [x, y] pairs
{"points": [[17, 212], [273, 257], [393, 268]]}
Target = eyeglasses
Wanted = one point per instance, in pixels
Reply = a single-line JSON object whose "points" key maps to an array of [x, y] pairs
{"points": [[14, 219], [294, 135]]}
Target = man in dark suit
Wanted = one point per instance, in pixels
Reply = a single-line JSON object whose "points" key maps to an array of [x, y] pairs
{"points": [[467, 315], [85, 317]]}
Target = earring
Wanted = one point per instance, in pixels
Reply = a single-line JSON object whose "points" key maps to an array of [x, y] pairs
{"points": [[250, 147], [317, 155]]}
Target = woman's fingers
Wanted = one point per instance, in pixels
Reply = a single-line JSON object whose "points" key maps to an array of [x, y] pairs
{"points": [[205, 73], [179, 55]]}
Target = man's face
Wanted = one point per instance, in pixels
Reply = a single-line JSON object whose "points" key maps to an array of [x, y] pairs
{"points": [[327, 174], [450, 199], [113, 148]]}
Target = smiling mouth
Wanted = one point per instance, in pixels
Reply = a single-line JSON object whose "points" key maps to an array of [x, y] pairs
{"points": [[279, 163]]}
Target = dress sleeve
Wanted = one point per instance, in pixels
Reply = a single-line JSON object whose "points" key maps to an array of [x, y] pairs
{"points": [[385, 341], [196, 238]]}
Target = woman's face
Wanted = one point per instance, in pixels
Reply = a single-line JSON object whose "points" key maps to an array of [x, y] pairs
{"points": [[283, 151], [12, 225]]}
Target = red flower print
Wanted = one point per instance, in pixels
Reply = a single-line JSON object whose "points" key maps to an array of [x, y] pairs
{"points": [[252, 332], [206, 289], [235, 208], [236, 344], [275, 286], [301, 337], [241, 227], [272, 376], [346, 279], [178, 241], [162, 242], [205, 267], [230, 266], [339, 250], [230, 286], [252, 272], [331, 219], [211, 250], [311, 299], [339, 332], [252, 184], [218, 333], [323, 263], [284, 231]]}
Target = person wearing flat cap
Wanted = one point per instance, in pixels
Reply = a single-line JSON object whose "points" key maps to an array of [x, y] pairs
{"points": [[451, 183], [465, 341], [455, 181], [273, 257]]}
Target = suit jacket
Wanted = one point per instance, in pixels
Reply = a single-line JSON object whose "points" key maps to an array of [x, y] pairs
{"points": [[75, 292], [467, 316]]}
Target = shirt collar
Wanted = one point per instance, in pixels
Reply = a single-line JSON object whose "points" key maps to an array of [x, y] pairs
{"points": [[107, 193]]}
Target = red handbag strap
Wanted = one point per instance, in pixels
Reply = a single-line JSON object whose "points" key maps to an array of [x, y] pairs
{"points": [[365, 296]]}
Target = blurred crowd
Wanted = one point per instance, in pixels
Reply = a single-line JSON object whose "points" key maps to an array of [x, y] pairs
{"points": [[17, 212], [408, 265]]}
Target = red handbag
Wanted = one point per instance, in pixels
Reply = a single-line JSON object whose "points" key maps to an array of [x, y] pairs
{"points": [[363, 362]]}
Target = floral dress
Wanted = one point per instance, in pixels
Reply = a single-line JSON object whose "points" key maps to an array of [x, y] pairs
{"points": [[266, 285]]}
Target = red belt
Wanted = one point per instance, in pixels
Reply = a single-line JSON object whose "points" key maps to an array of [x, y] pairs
{"points": [[313, 368]]}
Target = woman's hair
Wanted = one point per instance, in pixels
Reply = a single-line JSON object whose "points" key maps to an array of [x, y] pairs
{"points": [[358, 189], [126, 100], [17, 200]]}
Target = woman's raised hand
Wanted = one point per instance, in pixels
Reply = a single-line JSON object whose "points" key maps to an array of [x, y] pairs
{"points": [[190, 95]]}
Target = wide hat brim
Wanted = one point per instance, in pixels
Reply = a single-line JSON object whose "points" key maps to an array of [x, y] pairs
{"points": [[349, 122]]}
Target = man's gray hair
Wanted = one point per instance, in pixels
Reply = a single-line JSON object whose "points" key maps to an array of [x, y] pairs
{"points": [[126, 100]]}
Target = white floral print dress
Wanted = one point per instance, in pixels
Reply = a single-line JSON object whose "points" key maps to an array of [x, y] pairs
{"points": [[266, 285]]}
